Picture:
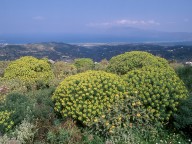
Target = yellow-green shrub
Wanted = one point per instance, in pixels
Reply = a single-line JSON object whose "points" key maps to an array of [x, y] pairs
{"points": [[5, 122], [29, 70], [84, 96], [127, 113], [159, 89], [83, 64], [128, 61]]}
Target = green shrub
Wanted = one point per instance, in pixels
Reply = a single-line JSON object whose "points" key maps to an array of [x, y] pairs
{"points": [[43, 106], [168, 136], [61, 69], [91, 138], [84, 96], [29, 70], [24, 133], [175, 65], [159, 89], [4, 139], [68, 132], [122, 120], [64, 132], [185, 73], [128, 61], [183, 117], [102, 65], [84, 64], [35, 106], [19, 105]]}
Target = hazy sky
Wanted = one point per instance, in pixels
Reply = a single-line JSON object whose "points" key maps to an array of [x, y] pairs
{"points": [[91, 16]]}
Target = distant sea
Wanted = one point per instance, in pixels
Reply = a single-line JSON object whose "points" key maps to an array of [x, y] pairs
{"points": [[67, 38]]}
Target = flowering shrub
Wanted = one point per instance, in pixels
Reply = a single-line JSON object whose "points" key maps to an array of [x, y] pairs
{"points": [[127, 113], [5, 122], [23, 133], [159, 89], [19, 105], [84, 96], [29, 70], [128, 61]]}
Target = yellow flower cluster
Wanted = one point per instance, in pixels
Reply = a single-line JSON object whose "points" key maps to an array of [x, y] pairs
{"points": [[85, 96], [5, 122], [126, 113]]}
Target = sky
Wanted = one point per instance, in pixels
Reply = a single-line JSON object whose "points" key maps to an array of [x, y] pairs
{"points": [[93, 16]]}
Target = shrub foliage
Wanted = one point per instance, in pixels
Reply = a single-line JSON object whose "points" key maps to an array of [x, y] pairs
{"points": [[185, 73], [5, 122], [84, 96], [102, 65], [29, 70], [127, 113], [62, 69], [159, 89], [3, 66], [132, 108], [84, 64], [18, 106], [128, 61], [183, 117]]}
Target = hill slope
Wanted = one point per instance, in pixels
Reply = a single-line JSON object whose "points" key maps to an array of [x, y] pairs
{"points": [[97, 52]]}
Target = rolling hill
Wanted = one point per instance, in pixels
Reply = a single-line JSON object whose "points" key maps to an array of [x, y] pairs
{"points": [[97, 52]]}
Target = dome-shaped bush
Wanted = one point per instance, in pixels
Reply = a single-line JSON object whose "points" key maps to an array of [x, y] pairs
{"points": [[84, 96], [159, 89], [128, 61], [29, 70], [83, 64]]}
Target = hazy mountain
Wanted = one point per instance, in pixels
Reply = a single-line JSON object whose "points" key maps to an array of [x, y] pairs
{"points": [[104, 35], [130, 34]]}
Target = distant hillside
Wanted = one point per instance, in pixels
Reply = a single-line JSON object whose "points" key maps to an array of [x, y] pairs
{"points": [[62, 51], [55, 51]]}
